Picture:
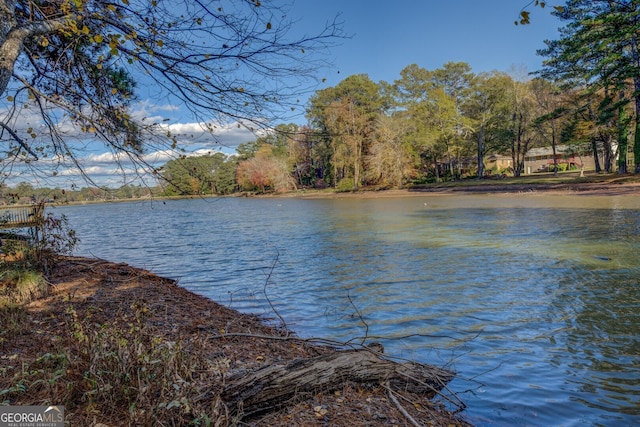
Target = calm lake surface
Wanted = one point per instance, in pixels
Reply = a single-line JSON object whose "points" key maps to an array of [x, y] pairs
{"points": [[533, 300]]}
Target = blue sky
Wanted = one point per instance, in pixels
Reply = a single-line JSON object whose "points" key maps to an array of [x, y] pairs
{"points": [[389, 35], [385, 37]]}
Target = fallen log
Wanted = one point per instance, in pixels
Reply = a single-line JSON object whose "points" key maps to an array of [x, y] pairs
{"points": [[270, 387]]}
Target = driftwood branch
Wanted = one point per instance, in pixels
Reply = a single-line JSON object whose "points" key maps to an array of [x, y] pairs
{"points": [[271, 386], [266, 296]]}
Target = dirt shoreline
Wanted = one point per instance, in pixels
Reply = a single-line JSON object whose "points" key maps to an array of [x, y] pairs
{"points": [[608, 188], [102, 323]]}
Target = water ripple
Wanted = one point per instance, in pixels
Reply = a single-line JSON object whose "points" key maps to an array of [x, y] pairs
{"points": [[534, 301]]}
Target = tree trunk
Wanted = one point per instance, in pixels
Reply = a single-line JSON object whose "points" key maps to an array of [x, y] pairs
{"points": [[635, 54], [450, 161], [481, 153], [608, 153], [271, 386], [596, 156], [515, 143], [356, 163], [623, 137], [636, 138]]}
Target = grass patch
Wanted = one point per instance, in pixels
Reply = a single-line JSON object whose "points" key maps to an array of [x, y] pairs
{"points": [[19, 285], [13, 319], [568, 177], [118, 370]]}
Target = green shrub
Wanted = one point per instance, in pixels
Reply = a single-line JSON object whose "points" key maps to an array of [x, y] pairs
{"points": [[346, 184], [424, 179]]}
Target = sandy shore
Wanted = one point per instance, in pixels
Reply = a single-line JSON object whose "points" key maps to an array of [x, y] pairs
{"points": [[579, 188]]}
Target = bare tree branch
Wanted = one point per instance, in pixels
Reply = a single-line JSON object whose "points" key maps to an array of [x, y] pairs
{"points": [[237, 61]]}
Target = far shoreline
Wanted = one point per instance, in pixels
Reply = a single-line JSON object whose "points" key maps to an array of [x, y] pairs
{"points": [[612, 185], [592, 184]]}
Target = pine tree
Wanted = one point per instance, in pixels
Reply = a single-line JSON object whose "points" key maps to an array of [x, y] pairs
{"points": [[598, 50]]}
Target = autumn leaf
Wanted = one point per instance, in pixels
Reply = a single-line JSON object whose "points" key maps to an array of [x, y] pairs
{"points": [[320, 411], [525, 17]]}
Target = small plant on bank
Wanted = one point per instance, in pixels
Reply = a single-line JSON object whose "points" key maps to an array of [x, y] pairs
{"points": [[57, 239], [24, 262], [19, 285], [131, 371]]}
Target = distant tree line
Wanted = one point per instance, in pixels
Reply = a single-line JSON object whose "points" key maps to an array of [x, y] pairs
{"points": [[209, 174], [26, 193], [427, 126], [431, 125]]}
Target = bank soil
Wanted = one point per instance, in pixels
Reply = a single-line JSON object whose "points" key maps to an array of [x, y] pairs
{"points": [[117, 345]]}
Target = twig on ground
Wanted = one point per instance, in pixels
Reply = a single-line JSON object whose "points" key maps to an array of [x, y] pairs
{"points": [[404, 412]]}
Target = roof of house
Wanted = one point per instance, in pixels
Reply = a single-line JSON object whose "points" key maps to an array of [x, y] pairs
{"points": [[546, 151]]}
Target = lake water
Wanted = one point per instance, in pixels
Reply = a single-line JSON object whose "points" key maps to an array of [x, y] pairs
{"points": [[533, 300]]}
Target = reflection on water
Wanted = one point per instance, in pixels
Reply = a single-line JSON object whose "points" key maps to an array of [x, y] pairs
{"points": [[533, 300]]}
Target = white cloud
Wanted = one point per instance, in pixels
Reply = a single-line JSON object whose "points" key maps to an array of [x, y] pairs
{"points": [[108, 168], [221, 135], [91, 170], [209, 134]]}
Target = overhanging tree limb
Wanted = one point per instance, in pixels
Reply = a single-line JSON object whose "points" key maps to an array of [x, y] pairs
{"points": [[236, 61], [19, 140]]}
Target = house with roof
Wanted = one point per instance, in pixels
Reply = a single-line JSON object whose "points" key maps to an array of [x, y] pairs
{"points": [[498, 163], [541, 159]]}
